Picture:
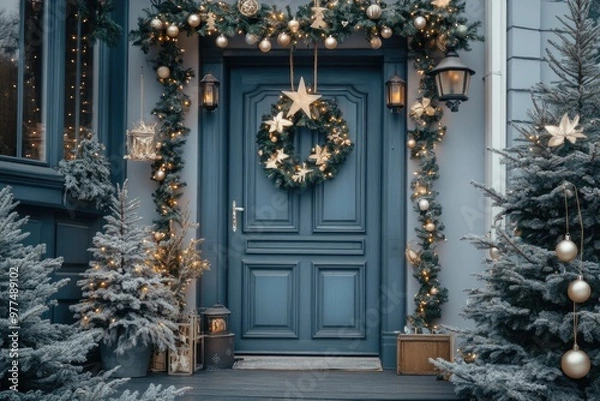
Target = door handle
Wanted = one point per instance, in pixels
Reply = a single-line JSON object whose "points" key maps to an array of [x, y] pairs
{"points": [[234, 210]]}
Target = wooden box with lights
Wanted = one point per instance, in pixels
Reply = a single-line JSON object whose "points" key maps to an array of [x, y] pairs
{"points": [[414, 351]]}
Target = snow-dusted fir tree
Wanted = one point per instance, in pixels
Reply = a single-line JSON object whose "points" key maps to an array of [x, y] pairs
{"points": [[39, 360], [87, 175], [177, 260], [533, 308], [122, 294]]}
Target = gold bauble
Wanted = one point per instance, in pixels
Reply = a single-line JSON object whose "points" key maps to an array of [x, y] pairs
{"points": [[173, 31], [434, 291], [566, 250], [284, 39], [160, 175], [294, 25], [575, 363], [419, 22], [251, 39], [331, 42], [386, 32], [411, 143], [265, 45], [429, 227], [163, 72], [376, 42], [193, 20], [156, 24], [273, 139], [374, 11], [222, 41], [579, 290]]}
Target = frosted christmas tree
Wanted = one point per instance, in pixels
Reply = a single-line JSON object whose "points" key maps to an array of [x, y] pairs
{"points": [[537, 336], [87, 175], [122, 294], [39, 360]]}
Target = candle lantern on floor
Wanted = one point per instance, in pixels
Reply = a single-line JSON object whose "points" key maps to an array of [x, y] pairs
{"points": [[218, 341]]}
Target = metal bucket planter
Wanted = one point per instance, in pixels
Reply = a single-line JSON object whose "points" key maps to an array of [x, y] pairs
{"points": [[133, 363]]}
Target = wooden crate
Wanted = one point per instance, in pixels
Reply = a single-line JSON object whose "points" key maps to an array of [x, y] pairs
{"points": [[181, 361], [414, 351], [158, 362]]}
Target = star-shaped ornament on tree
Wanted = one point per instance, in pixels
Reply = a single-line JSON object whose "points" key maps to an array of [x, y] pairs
{"points": [[272, 162], [301, 100], [278, 123], [440, 3], [301, 173], [280, 156], [567, 129], [321, 155]]}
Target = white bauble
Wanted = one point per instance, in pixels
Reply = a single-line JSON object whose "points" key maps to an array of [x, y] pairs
{"points": [[193, 20], [265, 45], [386, 32], [374, 11], [575, 363], [579, 291], [222, 41], [163, 72], [156, 24], [251, 39], [331, 42], [376, 42], [284, 39], [173, 31], [566, 250], [419, 22]]}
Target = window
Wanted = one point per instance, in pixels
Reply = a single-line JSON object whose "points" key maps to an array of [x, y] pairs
{"points": [[33, 36]]}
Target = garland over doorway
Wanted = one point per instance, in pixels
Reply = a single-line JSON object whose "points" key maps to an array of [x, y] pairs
{"points": [[430, 26]]}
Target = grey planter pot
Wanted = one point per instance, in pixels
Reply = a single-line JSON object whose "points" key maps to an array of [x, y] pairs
{"points": [[133, 363]]}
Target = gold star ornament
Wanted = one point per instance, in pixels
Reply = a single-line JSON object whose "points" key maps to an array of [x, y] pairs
{"points": [[278, 123], [301, 99], [321, 155], [567, 129]]}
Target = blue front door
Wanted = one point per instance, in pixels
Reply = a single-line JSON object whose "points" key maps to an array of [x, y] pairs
{"points": [[304, 267]]}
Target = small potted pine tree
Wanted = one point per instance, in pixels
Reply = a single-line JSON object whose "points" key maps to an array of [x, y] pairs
{"points": [[123, 295]]}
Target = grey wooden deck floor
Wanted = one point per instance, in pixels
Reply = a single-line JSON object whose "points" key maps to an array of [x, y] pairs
{"points": [[236, 385]]}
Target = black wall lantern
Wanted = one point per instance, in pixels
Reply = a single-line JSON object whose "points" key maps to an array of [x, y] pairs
{"points": [[395, 95], [452, 79], [209, 92]]}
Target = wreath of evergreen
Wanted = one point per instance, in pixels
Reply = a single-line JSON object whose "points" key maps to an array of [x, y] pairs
{"points": [[277, 152]]}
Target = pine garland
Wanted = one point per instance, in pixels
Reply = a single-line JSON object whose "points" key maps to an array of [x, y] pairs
{"points": [[445, 26]]}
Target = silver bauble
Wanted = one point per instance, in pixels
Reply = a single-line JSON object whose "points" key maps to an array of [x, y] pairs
{"points": [[566, 250], [265, 45], [294, 25], [173, 31], [251, 39], [411, 143], [331, 42], [386, 32], [222, 41], [284, 39], [429, 227], [419, 22], [376, 42], [163, 72], [575, 363], [579, 290], [160, 175], [193, 20], [423, 204], [374, 11], [248, 8], [461, 31], [156, 24]]}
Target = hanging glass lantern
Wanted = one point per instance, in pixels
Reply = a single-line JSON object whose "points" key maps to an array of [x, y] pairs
{"points": [[452, 79]]}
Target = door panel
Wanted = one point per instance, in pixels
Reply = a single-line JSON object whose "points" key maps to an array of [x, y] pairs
{"points": [[304, 266]]}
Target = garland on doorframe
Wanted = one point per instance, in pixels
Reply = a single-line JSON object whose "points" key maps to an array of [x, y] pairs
{"points": [[430, 25]]}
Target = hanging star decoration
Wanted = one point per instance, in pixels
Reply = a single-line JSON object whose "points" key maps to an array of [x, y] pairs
{"points": [[301, 173], [321, 155], [278, 123], [440, 3], [423, 107], [319, 22], [301, 100], [567, 129]]}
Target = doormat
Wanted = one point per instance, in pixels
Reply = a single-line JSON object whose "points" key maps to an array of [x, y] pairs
{"points": [[307, 363]]}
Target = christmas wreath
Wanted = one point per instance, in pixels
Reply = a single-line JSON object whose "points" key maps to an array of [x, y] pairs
{"points": [[275, 140]]}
